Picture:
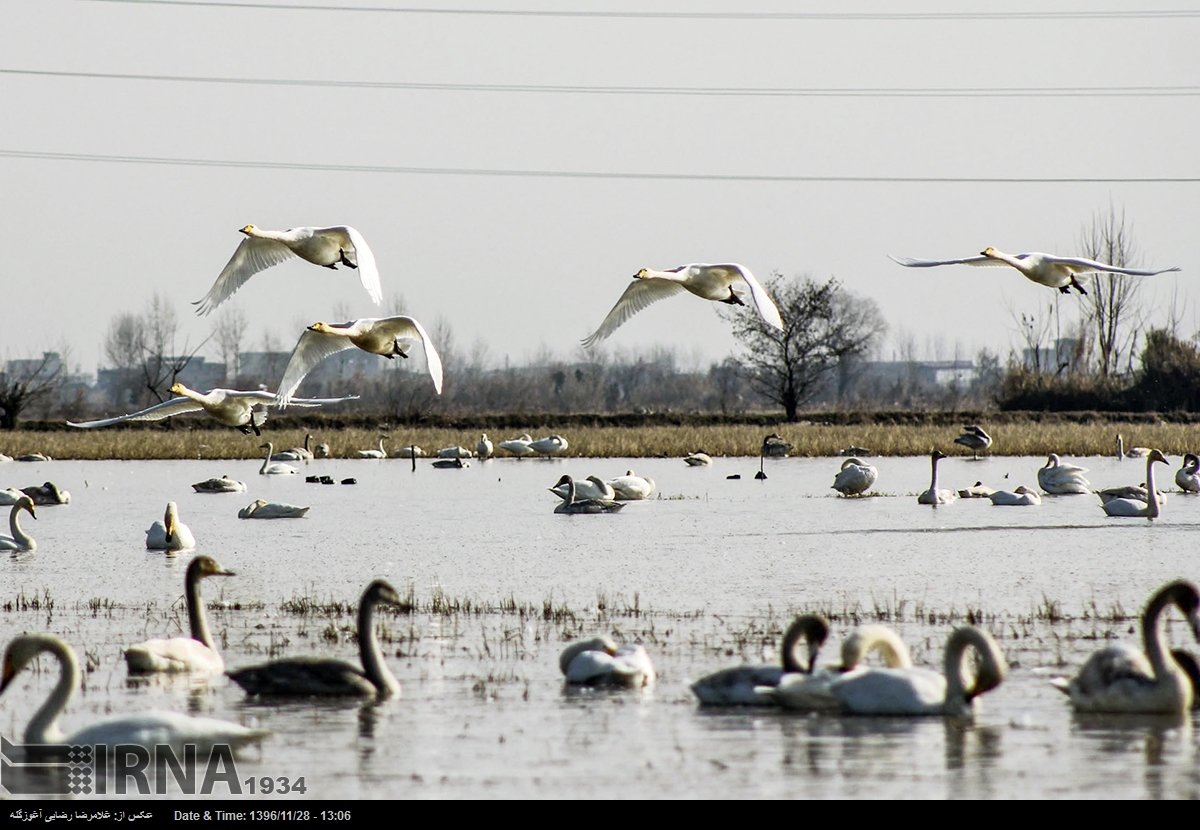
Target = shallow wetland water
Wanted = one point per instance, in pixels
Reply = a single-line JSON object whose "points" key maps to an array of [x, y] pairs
{"points": [[705, 575]]}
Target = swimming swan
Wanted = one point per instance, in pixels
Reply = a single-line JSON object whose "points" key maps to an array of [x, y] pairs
{"points": [[1120, 678], [147, 729], [385, 336], [592, 487], [19, 540], [170, 533], [572, 505], [812, 692], [1132, 452], [379, 453], [1059, 479], [47, 494], [1186, 476], [630, 487], [224, 484], [1133, 508], [774, 447], [1044, 269], [918, 691], [328, 676], [854, 478], [242, 410], [330, 247], [274, 469], [600, 662], [197, 653], [974, 439], [699, 458], [934, 495], [709, 282], [753, 685], [259, 509], [1022, 496]]}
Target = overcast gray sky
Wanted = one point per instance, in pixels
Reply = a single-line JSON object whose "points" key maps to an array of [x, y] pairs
{"points": [[525, 261]]}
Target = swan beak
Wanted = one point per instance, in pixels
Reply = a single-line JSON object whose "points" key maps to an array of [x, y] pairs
{"points": [[223, 573]]}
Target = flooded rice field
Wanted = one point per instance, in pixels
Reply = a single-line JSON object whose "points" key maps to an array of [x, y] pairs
{"points": [[706, 574]]}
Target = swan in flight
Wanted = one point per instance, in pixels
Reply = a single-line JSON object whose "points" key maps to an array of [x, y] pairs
{"points": [[1044, 269], [147, 729], [170, 533], [630, 487], [386, 336], [855, 477], [974, 439], [1134, 508], [379, 453], [19, 540], [699, 458], [552, 445], [1132, 452], [709, 282], [197, 653], [1120, 678], [328, 676], [47, 494], [1186, 476], [484, 448], [1020, 497], [592, 487], [1059, 479], [752, 685], [269, 468], [330, 247], [241, 410], [812, 691], [600, 662], [224, 484], [572, 505], [934, 495], [517, 446], [259, 509]]}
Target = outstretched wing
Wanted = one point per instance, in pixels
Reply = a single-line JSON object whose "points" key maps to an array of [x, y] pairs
{"points": [[408, 328], [365, 260], [762, 300], [639, 294], [1082, 265], [933, 263], [252, 256], [175, 406], [311, 349]]}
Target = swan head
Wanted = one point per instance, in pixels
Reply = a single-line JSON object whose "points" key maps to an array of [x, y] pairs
{"points": [[318, 326], [1186, 599], [20, 653], [937, 455], [177, 388], [1052, 461], [642, 274], [813, 629], [203, 566], [565, 481], [1022, 489], [605, 644], [1156, 455], [249, 230], [26, 503], [382, 591], [988, 251]]}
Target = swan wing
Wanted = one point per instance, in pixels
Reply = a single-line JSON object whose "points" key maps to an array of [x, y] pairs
{"points": [[908, 262], [1082, 265], [411, 330], [304, 676], [890, 692], [368, 273], [740, 686], [252, 256], [179, 654], [310, 349], [762, 300], [639, 294], [151, 728], [175, 406]]}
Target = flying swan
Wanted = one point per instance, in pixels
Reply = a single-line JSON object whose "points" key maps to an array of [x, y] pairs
{"points": [[197, 653], [709, 282], [330, 247], [386, 336], [1044, 269]]}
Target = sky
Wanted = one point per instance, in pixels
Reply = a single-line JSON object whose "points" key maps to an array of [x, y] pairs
{"points": [[528, 255]]}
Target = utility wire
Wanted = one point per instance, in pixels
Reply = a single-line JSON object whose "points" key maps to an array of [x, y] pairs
{"points": [[580, 174], [1146, 14], [764, 92]]}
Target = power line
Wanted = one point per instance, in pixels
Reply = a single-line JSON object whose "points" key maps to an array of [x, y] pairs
{"points": [[767, 92], [581, 174], [1147, 14]]}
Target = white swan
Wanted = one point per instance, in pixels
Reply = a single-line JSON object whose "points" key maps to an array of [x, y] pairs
{"points": [[1059, 479], [224, 484], [600, 662], [197, 653], [753, 685], [572, 505], [1132, 452], [19, 540], [411, 451], [1137, 492], [1186, 476], [1022, 496], [517, 446], [630, 487], [934, 495], [274, 469], [699, 458], [918, 691], [813, 691], [242, 410], [259, 509], [379, 453], [147, 729], [1044, 269], [319, 451], [330, 247], [484, 448], [1133, 508], [592, 487], [978, 490], [5, 458], [170, 533], [855, 477], [300, 453], [455, 452], [386, 336], [774, 447], [974, 439], [1120, 678], [709, 282], [327, 676], [11, 495], [47, 494], [551, 445]]}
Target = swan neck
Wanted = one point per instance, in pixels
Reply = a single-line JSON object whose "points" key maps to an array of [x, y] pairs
{"points": [[267, 460], [197, 617], [43, 726], [992, 668], [374, 666], [933, 483], [1011, 260], [14, 527], [1152, 509], [1153, 638]]}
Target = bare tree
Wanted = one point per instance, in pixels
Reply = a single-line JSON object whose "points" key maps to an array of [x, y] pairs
{"points": [[856, 327], [1113, 307], [143, 347], [25, 382]]}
